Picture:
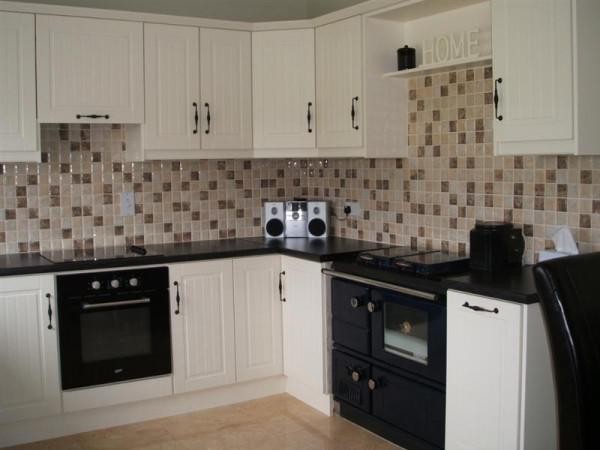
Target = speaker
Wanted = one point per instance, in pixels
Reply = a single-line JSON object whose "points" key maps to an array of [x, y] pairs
{"points": [[274, 219], [318, 219]]}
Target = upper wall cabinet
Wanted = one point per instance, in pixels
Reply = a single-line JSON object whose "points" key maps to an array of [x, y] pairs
{"points": [[283, 65], [18, 127], [172, 88], [546, 76], [226, 89], [339, 84], [89, 70]]}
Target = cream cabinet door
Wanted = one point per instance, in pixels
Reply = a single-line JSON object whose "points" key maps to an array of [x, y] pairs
{"points": [[18, 124], [305, 332], [89, 70], [483, 380], [533, 70], [202, 322], [283, 65], [172, 88], [339, 84], [257, 317], [226, 89], [29, 372]]}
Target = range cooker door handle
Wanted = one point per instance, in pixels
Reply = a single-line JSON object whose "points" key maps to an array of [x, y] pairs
{"points": [[140, 301]]}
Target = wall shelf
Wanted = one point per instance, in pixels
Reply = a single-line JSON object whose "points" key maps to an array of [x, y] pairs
{"points": [[447, 65]]}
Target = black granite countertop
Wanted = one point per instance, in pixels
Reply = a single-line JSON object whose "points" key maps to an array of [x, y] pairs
{"points": [[516, 285], [319, 250]]}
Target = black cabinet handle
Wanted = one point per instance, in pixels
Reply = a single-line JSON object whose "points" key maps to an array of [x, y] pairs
{"points": [[309, 117], [479, 308], [49, 296], [353, 112], [195, 105], [93, 116], [177, 297], [207, 118], [281, 297], [496, 82]]}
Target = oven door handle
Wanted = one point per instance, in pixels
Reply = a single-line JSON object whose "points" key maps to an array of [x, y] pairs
{"points": [[141, 301]]}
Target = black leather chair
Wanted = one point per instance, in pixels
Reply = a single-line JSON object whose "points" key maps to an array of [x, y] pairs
{"points": [[569, 291]]}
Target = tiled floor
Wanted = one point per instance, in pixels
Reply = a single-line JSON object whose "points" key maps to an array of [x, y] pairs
{"points": [[279, 423]]}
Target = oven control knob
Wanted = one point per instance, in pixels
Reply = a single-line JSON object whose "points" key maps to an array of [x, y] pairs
{"points": [[372, 384], [134, 282], [96, 285], [115, 283]]}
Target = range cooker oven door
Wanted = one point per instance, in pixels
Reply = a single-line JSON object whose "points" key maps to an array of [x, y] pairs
{"points": [[409, 333], [111, 338]]}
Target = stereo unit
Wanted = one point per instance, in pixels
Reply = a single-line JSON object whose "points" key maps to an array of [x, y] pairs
{"points": [[274, 220], [295, 218], [318, 219]]}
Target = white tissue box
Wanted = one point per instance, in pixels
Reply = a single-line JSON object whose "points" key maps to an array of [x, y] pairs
{"points": [[545, 255]]}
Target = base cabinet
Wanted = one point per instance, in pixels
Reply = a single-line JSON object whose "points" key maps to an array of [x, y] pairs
{"points": [[500, 392], [305, 332], [30, 384], [202, 322], [257, 307]]}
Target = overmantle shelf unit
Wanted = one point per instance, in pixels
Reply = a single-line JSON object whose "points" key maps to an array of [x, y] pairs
{"points": [[426, 69]]}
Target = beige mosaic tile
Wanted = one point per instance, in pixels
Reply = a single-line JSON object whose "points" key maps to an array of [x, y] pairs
{"points": [[430, 199]]}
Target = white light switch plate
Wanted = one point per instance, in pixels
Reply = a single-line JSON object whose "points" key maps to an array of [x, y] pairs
{"points": [[127, 204]]}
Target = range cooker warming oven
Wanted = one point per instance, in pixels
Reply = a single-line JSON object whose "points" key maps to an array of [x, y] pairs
{"points": [[114, 326]]}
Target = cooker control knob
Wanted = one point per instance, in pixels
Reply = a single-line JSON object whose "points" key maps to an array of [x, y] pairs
{"points": [[96, 285], [134, 282], [115, 283]]}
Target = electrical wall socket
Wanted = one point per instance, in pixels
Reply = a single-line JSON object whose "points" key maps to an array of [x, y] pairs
{"points": [[355, 209], [127, 204]]}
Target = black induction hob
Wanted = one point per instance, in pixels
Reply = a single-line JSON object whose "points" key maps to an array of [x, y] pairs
{"points": [[417, 261], [96, 254]]}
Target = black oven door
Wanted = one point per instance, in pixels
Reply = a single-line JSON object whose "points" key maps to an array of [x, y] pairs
{"points": [[409, 333], [116, 338]]}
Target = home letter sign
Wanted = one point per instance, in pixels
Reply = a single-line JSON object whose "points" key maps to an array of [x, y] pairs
{"points": [[451, 47]]}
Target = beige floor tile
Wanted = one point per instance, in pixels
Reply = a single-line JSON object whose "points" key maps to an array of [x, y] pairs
{"points": [[279, 422]]}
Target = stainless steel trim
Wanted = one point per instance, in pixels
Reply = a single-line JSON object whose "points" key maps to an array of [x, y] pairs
{"points": [[381, 284], [140, 301]]}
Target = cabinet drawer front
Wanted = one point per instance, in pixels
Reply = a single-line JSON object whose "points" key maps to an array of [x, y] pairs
{"points": [[349, 303], [350, 377], [409, 405], [356, 338]]}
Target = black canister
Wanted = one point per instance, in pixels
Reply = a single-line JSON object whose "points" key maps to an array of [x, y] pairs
{"points": [[407, 58]]}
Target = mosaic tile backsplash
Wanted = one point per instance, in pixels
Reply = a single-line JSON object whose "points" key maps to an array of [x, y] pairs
{"points": [[430, 199]]}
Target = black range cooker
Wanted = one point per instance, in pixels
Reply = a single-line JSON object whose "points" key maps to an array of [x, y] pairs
{"points": [[389, 333]]}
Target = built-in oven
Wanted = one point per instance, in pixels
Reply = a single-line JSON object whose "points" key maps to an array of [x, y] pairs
{"points": [[114, 326]]}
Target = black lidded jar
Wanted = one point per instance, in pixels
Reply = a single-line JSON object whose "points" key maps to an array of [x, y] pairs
{"points": [[496, 246], [407, 58]]}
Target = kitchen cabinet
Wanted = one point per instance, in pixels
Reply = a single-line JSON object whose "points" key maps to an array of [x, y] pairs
{"points": [[283, 70], [226, 89], [202, 322], [257, 305], [339, 84], [89, 70], [172, 71], [18, 125], [499, 389], [28, 348], [305, 332], [545, 76]]}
